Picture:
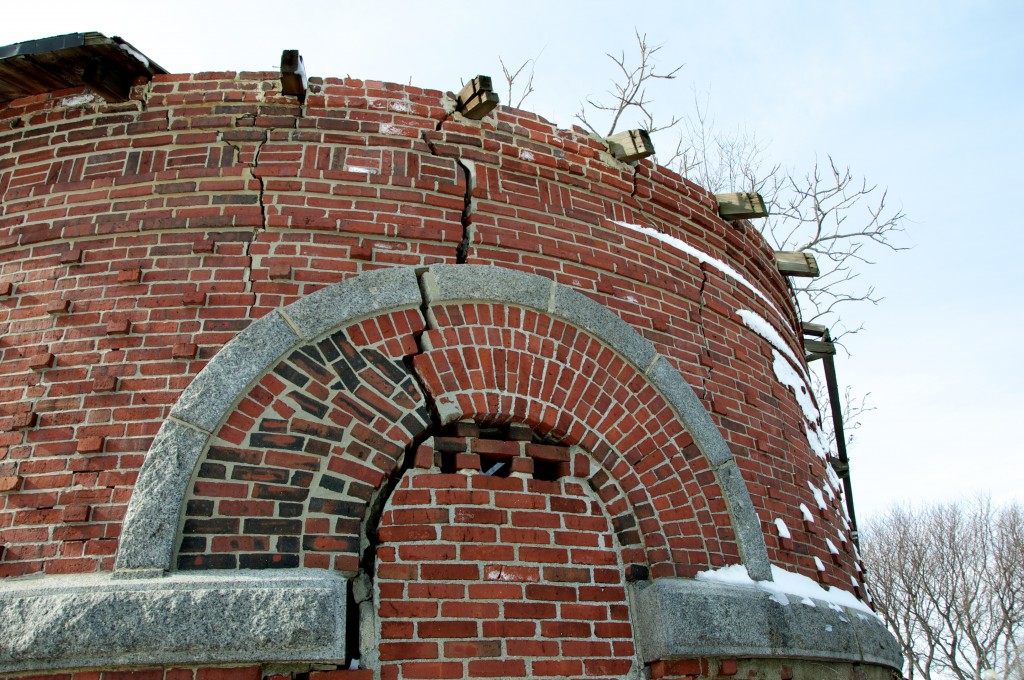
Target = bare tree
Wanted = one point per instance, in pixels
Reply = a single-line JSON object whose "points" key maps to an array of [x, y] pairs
{"points": [[526, 89], [629, 90], [854, 407], [949, 581], [827, 211], [842, 219]]}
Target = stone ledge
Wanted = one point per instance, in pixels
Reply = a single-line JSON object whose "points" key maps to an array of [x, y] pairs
{"points": [[684, 618], [91, 620]]}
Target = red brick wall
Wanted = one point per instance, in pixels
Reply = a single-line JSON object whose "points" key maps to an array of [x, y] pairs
{"points": [[137, 238], [196, 673], [488, 576]]}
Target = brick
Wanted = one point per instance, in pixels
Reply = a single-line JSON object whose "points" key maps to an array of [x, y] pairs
{"points": [[9, 483], [38, 362], [90, 444], [104, 383], [280, 271], [58, 306], [119, 327], [76, 513], [184, 350]]}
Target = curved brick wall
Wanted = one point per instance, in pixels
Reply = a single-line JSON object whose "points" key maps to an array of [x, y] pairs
{"points": [[137, 239]]}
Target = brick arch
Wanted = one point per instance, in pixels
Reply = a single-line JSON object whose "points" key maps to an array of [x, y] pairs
{"points": [[229, 402]]}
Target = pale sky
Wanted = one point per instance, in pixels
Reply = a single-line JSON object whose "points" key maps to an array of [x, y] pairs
{"points": [[924, 98]]}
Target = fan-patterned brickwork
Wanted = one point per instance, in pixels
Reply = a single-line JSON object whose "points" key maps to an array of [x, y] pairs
{"points": [[287, 481]]}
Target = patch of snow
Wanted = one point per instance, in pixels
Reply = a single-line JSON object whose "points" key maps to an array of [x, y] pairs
{"points": [[700, 256], [77, 100], [135, 53], [808, 517], [828, 628], [818, 498], [831, 546], [818, 565], [389, 129], [817, 443], [783, 529], [833, 478], [526, 155], [632, 299], [780, 598], [359, 168], [791, 379], [759, 325], [785, 584], [846, 510]]}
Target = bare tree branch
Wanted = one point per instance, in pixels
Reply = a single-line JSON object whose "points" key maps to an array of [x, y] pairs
{"points": [[629, 90], [512, 76]]}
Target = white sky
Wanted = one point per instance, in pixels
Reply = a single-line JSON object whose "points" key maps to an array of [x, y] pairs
{"points": [[922, 97]]}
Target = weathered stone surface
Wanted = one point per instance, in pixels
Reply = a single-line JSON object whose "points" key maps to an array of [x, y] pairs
{"points": [[687, 618], [364, 295], [745, 522], [604, 324], [151, 523], [91, 620], [207, 399], [452, 283]]}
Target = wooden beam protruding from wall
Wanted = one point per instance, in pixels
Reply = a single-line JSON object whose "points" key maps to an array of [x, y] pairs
{"points": [[816, 349], [477, 98], [741, 206], [816, 330], [293, 74], [631, 145], [794, 263]]}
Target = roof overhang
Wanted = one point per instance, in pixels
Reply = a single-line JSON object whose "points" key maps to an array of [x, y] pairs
{"points": [[108, 66]]}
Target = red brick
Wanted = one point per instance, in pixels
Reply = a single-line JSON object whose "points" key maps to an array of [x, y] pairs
{"points": [[9, 483], [40, 361], [90, 445], [119, 327]]}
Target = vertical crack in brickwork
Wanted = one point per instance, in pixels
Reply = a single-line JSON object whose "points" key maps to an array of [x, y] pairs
{"points": [[362, 627], [462, 252], [261, 200], [469, 176], [706, 359]]}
